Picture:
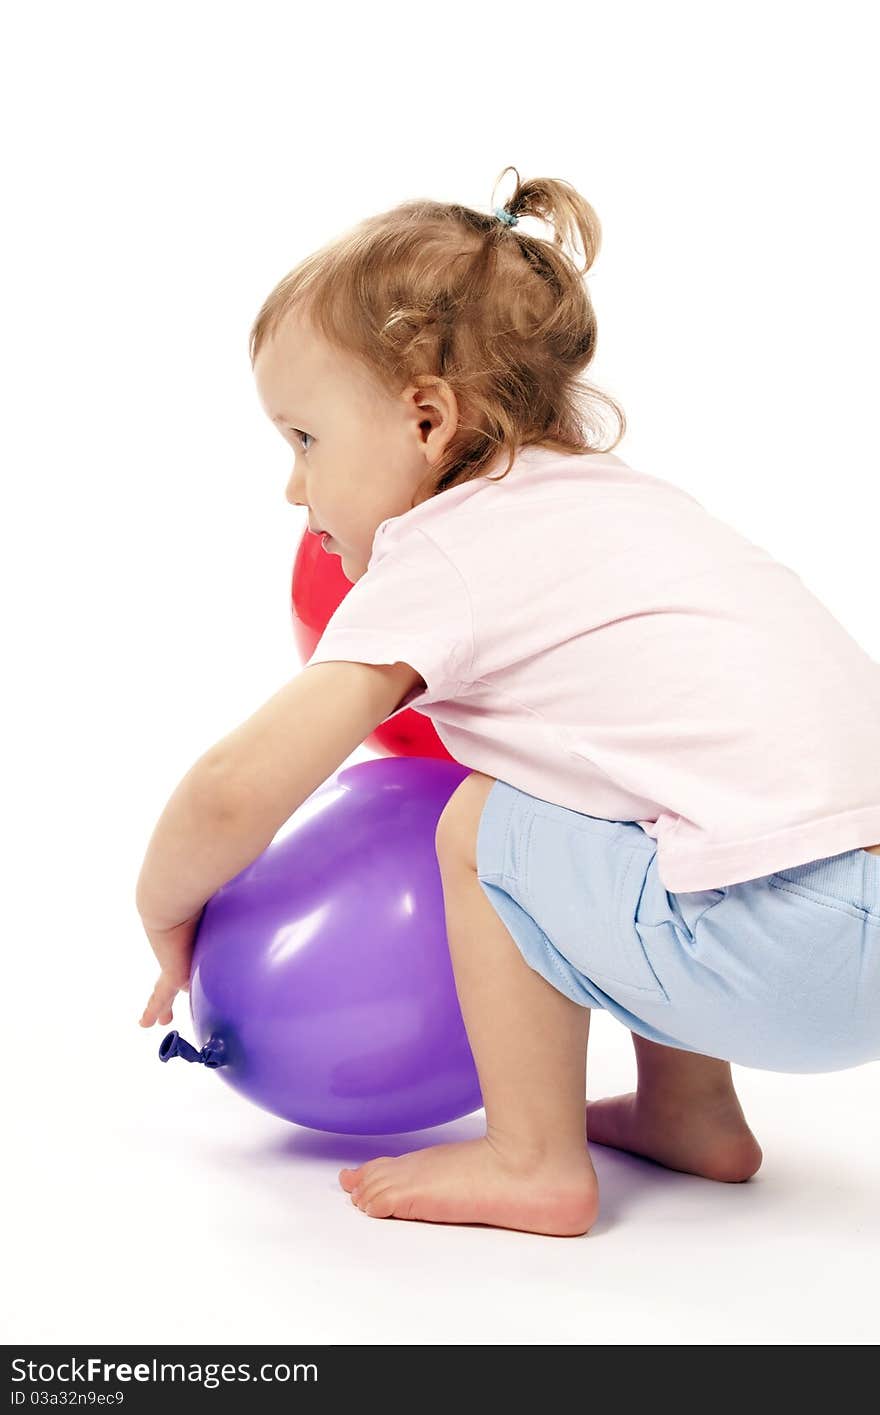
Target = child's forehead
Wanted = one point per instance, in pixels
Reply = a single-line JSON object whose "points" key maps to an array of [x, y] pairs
{"points": [[288, 367], [294, 344], [307, 359], [298, 372]]}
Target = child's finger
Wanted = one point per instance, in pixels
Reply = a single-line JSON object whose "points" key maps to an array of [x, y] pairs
{"points": [[158, 1009], [150, 1014]]}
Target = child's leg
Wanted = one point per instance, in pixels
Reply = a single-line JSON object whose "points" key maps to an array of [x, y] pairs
{"points": [[532, 1169], [684, 1114], [669, 1071]]}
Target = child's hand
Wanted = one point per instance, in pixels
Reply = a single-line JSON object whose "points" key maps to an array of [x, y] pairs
{"points": [[174, 949]]}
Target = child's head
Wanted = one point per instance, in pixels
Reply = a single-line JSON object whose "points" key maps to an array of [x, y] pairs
{"points": [[411, 353]]}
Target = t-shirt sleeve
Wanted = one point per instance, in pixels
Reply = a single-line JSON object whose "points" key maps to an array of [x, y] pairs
{"points": [[411, 606]]}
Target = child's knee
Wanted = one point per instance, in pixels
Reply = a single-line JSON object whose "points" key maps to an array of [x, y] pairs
{"points": [[456, 835]]}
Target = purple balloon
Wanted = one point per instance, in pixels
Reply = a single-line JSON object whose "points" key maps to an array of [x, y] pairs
{"points": [[322, 986]]}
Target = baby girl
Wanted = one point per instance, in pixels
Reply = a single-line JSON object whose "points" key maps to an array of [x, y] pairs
{"points": [[672, 810]]}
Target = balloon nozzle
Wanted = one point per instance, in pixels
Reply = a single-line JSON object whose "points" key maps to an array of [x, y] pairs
{"points": [[212, 1054]]}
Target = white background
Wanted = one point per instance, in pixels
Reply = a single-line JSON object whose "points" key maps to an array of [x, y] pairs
{"points": [[164, 166]]}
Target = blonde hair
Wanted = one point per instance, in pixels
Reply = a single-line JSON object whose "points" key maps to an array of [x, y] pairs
{"points": [[503, 317]]}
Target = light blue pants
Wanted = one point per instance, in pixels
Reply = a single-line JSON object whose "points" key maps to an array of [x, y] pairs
{"points": [[780, 973]]}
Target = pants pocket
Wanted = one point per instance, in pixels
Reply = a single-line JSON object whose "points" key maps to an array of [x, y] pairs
{"points": [[848, 882], [583, 883]]}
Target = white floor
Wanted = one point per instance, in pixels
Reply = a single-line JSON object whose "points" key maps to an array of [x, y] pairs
{"points": [[149, 1203]]}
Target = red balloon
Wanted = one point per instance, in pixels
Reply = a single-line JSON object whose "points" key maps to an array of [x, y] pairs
{"points": [[317, 587]]}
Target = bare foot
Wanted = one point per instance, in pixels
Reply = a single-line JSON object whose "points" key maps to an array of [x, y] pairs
{"points": [[706, 1137], [471, 1182]]}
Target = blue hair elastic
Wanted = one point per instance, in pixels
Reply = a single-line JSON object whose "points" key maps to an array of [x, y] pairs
{"points": [[504, 215]]}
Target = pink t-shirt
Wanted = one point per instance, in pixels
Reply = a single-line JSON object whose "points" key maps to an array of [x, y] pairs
{"points": [[593, 636]]}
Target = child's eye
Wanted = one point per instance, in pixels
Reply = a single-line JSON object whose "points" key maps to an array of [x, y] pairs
{"points": [[300, 434]]}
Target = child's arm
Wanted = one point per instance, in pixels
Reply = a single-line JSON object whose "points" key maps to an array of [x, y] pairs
{"points": [[232, 802], [236, 797]]}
